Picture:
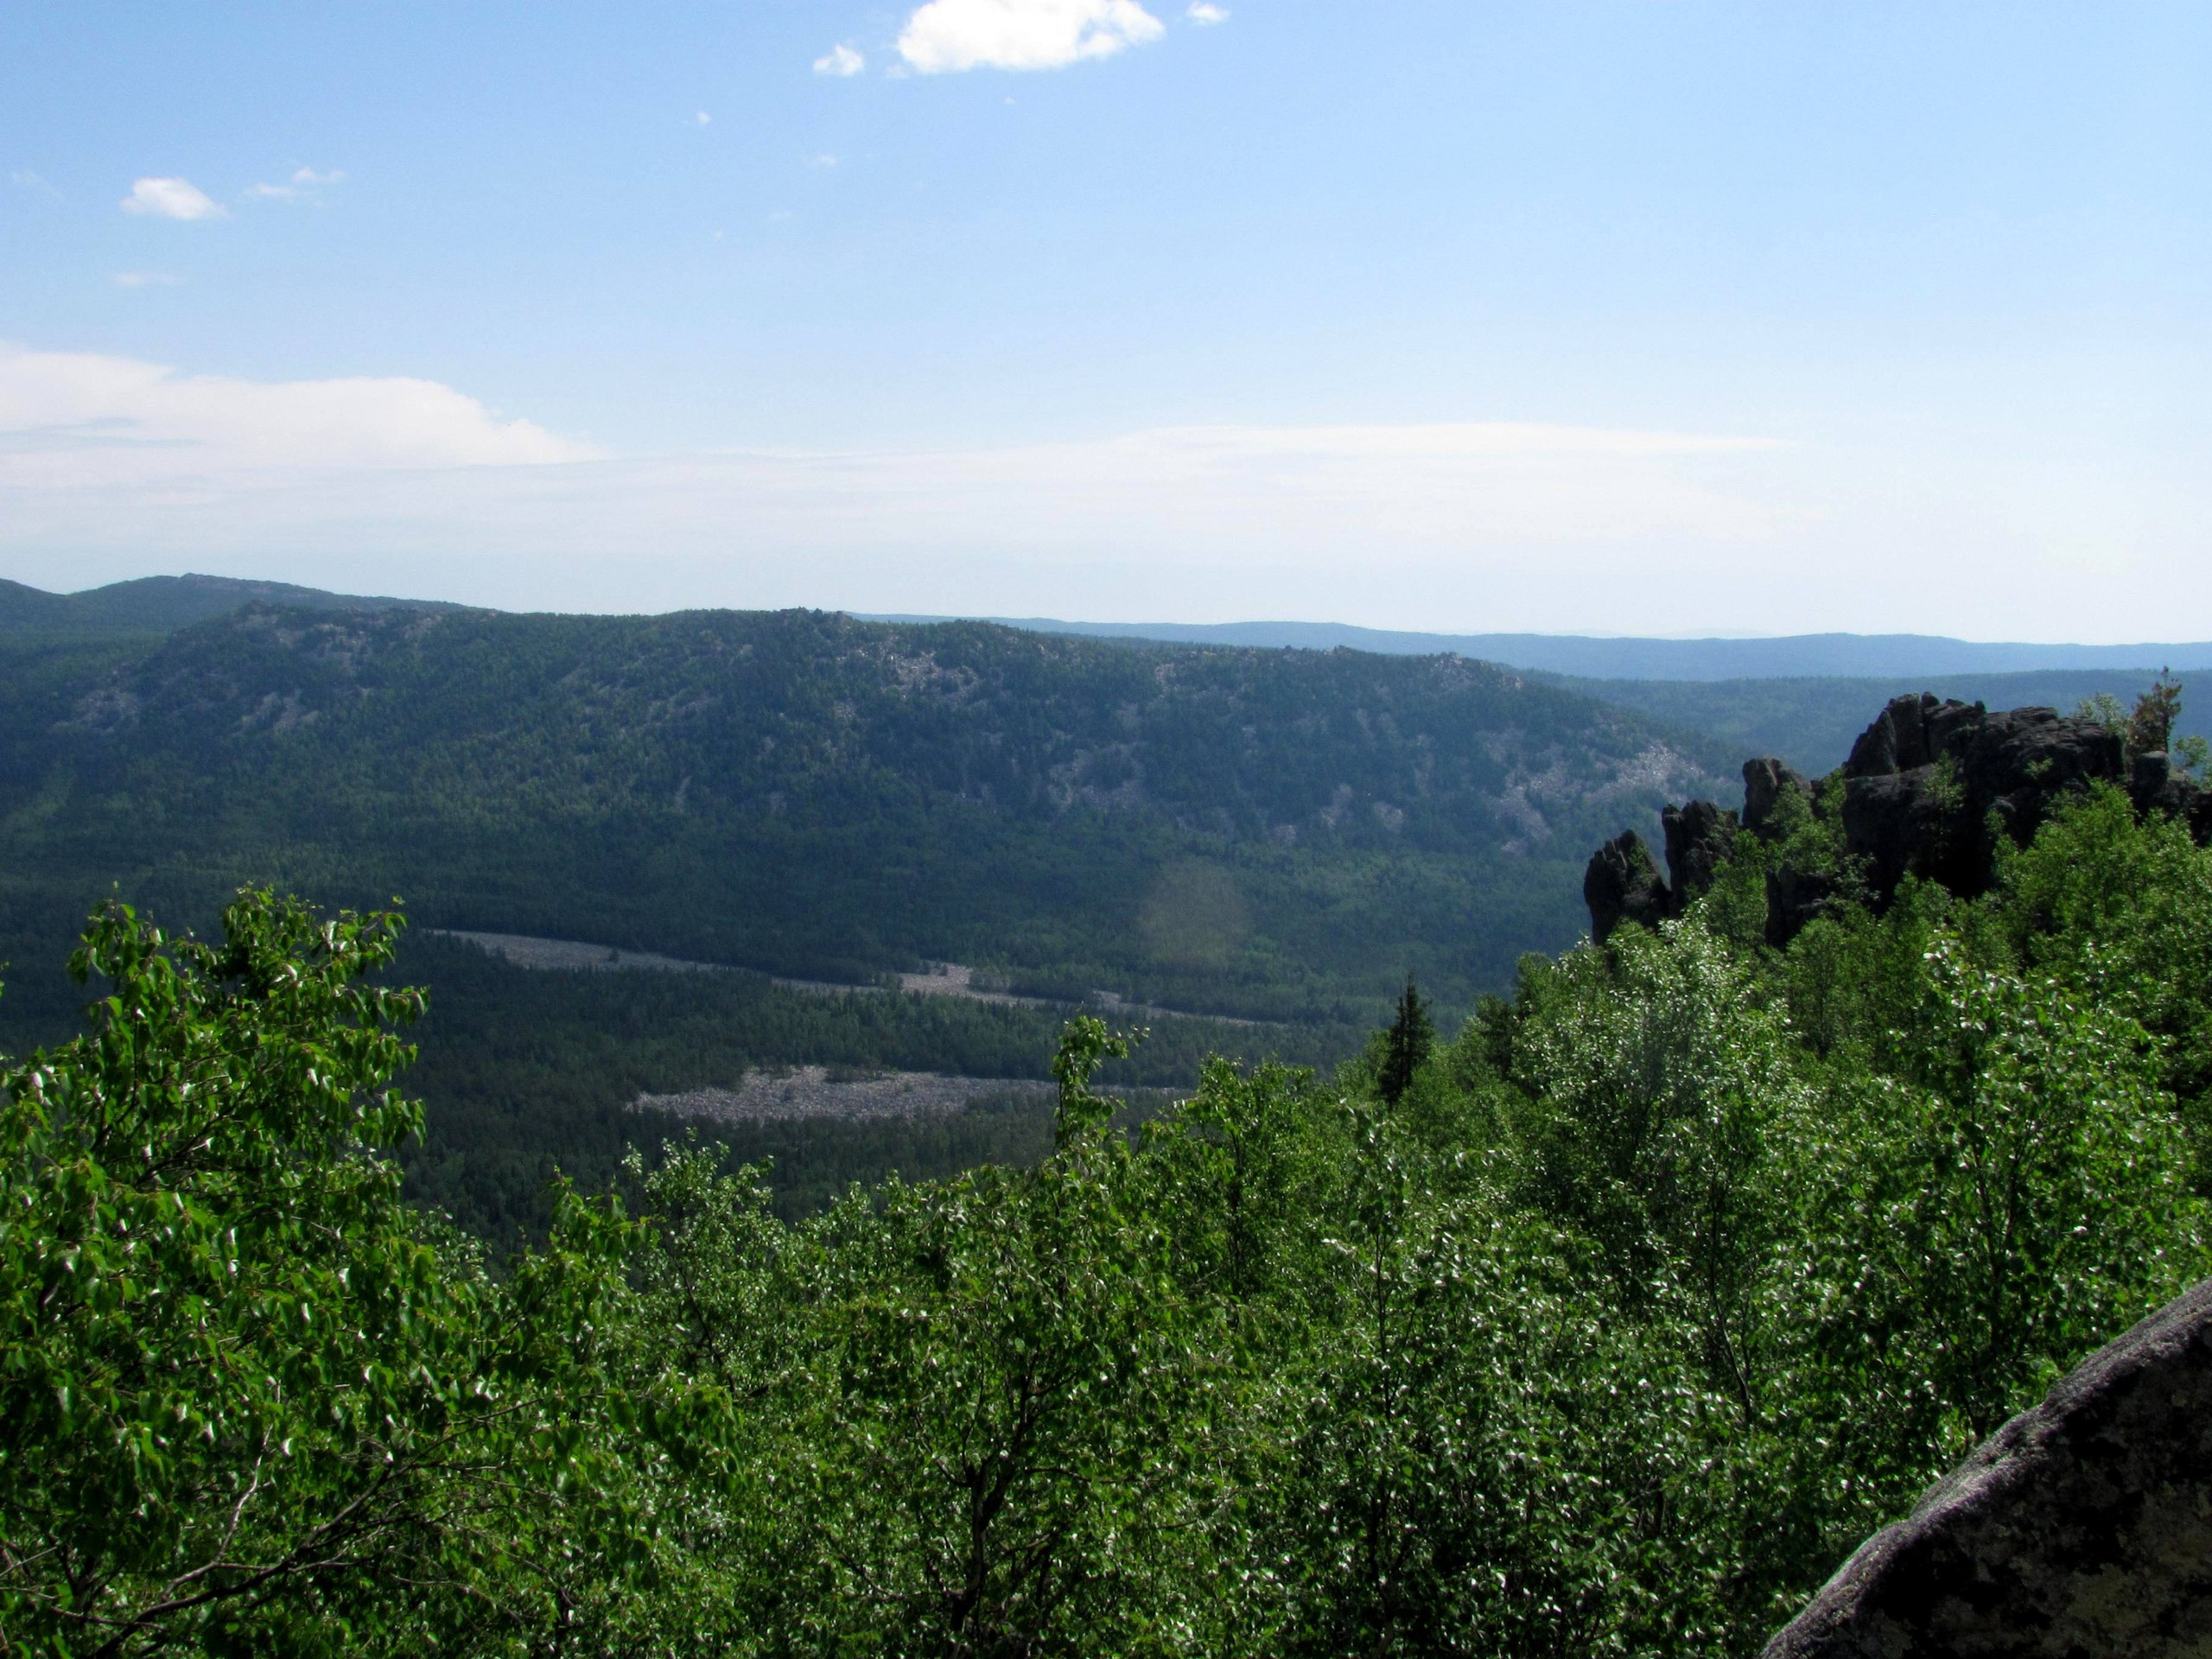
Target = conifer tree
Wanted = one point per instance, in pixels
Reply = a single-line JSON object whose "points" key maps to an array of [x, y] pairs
{"points": [[1407, 1049]]}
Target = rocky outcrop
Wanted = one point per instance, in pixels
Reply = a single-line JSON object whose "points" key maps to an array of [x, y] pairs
{"points": [[1623, 885], [1931, 784], [1929, 789], [1766, 782], [2081, 1528], [2155, 786], [1699, 837]]}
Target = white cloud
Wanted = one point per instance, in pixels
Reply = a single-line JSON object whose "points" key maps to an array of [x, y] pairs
{"points": [[948, 35], [703, 119], [1202, 12], [305, 182], [74, 421], [100, 453], [171, 199], [110, 467], [841, 60], [23, 179], [826, 159], [145, 279]]}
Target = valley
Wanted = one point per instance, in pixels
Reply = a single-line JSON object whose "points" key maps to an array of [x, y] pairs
{"points": [[889, 849], [810, 1035]]}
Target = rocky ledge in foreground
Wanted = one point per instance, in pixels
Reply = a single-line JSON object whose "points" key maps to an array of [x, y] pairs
{"points": [[1929, 788], [2081, 1528]]}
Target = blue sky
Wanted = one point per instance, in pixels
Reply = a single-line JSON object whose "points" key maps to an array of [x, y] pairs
{"points": [[1627, 318]]}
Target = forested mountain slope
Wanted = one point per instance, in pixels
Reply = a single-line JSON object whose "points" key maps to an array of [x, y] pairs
{"points": [[1277, 834]]}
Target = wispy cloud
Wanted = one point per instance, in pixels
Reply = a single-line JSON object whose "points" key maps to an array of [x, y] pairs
{"points": [[305, 185], [408, 486], [171, 199], [77, 420], [703, 119], [415, 486], [826, 159], [23, 179], [948, 35], [839, 60], [145, 279], [108, 452], [1203, 12]]}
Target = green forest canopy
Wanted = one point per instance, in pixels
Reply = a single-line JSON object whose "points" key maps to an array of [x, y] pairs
{"points": [[1655, 1287]]}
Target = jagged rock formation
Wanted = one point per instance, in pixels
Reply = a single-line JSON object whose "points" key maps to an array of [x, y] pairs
{"points": [[1930, 785], [1623, 884], [1928, 789], [2155, 786], [1699, 837], [2081, 1528], [1765, 783]]}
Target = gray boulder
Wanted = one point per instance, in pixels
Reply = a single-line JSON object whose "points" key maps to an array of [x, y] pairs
{"points": [[2081, 1528]]}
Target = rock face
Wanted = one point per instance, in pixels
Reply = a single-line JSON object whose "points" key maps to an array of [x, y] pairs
{"points": [[1924, 779], [2155, 786], [2082, 1528], [1623, 884], [1765, 783], [1699, 837], [1928, 789]]}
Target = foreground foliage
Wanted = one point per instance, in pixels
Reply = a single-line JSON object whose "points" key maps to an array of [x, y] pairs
{"points": [[1607, 1327]]}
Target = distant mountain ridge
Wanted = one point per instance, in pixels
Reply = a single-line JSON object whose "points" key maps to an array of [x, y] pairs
{"points": [[160, 605], [164, 604], [1834, 655]]}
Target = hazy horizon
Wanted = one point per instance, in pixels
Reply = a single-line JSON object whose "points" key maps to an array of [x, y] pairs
{"points": [[2036, 654], [1684, 321]]}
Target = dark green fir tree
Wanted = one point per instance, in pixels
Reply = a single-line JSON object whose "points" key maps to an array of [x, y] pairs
{"points": [[1407, 1049]]}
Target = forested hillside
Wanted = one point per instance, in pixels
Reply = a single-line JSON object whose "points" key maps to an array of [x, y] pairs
{"points": [[1273, 834], [1608, 1324]]}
